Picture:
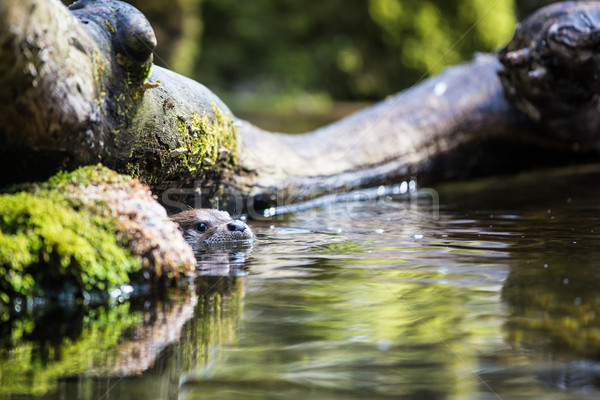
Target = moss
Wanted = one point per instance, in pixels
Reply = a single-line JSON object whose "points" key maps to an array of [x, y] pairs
{"points": [[182, 125], [134, 74], [133, 170], [48, 237], [197, 145], [145, 71], [91, 175], [203, 138], [109, 26], [101, 70]]}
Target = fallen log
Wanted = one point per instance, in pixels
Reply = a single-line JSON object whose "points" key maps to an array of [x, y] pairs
{"points": [[78, 87]]}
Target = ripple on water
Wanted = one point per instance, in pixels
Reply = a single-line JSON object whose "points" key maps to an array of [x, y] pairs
{"points": [[495, 296]]}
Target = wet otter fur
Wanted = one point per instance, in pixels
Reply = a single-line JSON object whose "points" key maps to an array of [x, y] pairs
{"points": [[205, 226]]}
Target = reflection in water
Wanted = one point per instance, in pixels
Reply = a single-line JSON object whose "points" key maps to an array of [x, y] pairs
{"points": [[554, 310], [350, 315], [74, 353], [495, 297], [223, 259], [554, 320]]}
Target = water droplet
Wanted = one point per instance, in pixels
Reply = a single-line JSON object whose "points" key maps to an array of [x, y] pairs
{"points": [[269, 212], [403, 187], [127, 289], [440, 88]]}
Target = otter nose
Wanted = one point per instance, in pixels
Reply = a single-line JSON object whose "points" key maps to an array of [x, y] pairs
{"points": [[236, 225]]}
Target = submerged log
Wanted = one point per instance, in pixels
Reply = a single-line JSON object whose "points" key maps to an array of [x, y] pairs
{"points": [[78, 87]]}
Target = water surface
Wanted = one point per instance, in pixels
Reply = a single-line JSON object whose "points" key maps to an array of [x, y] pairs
{"points": [[492, 296]]}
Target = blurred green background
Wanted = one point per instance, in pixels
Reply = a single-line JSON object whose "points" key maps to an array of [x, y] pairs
{"points": [[303, 64]]}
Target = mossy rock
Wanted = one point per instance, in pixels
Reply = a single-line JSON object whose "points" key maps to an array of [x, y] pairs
{"points": [[77, 234]]}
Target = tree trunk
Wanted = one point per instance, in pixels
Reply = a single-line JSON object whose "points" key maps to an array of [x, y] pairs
{"points": [[76, 88]]}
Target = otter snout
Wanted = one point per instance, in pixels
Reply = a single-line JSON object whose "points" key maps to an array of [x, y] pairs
{"points": [[237, 226], [208, 226]]}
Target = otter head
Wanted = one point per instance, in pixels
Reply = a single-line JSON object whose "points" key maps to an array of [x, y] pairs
{"points": [[206, 226]]}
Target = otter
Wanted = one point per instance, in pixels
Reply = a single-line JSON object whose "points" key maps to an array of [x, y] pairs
{"points": [[205, 226]]}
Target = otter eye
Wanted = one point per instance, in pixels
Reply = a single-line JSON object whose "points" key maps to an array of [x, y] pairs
{"points": [[201, 227]]}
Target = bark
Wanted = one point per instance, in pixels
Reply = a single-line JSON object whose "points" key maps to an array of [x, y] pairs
{"points": [[445, 128], [74, 91]]}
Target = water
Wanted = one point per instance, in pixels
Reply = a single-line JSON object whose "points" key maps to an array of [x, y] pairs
{"points": [[493, 295]]}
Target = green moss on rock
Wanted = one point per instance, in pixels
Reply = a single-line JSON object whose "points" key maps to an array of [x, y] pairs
{"points": [[87, 230], [47, 237], [92, 175]]}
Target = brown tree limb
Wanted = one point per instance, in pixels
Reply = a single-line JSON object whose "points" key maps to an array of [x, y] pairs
{"points": [[74, 91]]}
